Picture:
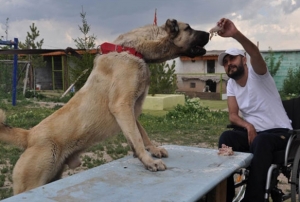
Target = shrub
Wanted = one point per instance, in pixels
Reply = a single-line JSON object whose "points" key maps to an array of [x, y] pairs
{"points": [[291, 85], [192, 111], [163, 78]]}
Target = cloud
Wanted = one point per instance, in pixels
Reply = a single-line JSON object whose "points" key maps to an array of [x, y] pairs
{"points": [[272, 23], [290, 6]]}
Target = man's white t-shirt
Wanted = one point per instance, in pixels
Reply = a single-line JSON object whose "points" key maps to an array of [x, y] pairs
{"points": [[259, 101]]}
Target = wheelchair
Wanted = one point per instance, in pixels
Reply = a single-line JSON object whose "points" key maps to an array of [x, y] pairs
{"points": [[286, 163]]}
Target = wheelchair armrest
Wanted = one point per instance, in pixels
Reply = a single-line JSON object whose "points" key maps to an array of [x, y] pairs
{"points": [[295, 131], [235, 127]]}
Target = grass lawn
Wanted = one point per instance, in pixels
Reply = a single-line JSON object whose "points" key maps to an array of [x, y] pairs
{"points": [[211, 104], [214, 104]]}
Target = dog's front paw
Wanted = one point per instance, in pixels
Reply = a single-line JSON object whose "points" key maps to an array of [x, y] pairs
{"points": [[158, 152], [156, 165], [172, 28]]}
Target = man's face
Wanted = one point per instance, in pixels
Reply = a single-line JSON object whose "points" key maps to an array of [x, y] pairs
{"points": [[233, 65]]}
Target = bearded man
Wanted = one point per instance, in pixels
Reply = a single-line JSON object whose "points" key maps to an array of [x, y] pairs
{"points": [[264, 122]]}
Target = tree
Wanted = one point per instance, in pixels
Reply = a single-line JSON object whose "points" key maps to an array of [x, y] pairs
{"points": [[272, 64], [163, 79], [5, 69], [291, 85], [6, 57], [32, 43], [36, 61], [86, 42], [86, 61], [6, 29]]}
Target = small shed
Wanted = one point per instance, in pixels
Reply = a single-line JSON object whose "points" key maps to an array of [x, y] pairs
{"points": [[55, 76]]}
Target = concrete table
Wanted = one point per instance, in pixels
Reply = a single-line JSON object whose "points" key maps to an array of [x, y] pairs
{"points": [[192, 173]]}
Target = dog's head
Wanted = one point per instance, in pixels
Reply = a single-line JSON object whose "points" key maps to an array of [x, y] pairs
{"points": [[162, 43], [189, 42]]}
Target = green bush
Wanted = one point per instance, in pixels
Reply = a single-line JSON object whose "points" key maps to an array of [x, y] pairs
{"points": [[192, 111], [271, 62], [163, 78], [86, 61], [32, 94], [291, 85]]}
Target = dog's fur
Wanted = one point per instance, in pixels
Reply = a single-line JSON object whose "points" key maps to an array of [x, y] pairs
{"points": [[111, 100]]}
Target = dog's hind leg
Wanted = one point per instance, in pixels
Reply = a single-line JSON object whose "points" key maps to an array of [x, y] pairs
{"points": [[34, 168]]}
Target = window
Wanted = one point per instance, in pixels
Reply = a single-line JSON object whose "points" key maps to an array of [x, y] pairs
{"points": [[210, 66], [192, 85], [211, 86]]}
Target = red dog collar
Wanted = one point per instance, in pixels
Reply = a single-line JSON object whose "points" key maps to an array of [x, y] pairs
{"points": [[109, 47]]}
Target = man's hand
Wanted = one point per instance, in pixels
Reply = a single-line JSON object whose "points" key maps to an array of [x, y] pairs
{"points": [[228, 28], [251, 133]]}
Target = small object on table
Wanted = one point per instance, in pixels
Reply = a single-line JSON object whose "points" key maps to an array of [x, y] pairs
{"points": [[225, 151]]}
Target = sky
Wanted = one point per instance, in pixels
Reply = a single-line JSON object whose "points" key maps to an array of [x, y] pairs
{"points": [[271, 24]]}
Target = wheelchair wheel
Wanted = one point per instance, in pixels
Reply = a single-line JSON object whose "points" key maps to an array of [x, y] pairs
{"points": [[295, 177], [240, 192], [240, 178]]}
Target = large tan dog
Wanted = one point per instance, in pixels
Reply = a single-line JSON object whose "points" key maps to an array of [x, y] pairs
{"points": [[111, 100]]}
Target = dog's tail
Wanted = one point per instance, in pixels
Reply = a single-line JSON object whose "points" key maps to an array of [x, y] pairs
{"points": [[15, 136]]}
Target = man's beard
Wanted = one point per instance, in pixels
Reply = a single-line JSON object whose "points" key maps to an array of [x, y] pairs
{"points": [[238, 73]]}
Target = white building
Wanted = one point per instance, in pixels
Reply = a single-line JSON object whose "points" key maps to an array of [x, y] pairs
{"points": [[201, 76]]}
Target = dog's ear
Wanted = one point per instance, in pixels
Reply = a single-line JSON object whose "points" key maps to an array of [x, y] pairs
{"points": [[172, 28]]}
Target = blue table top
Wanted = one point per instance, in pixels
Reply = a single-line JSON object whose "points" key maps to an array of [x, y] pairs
{"points": [[191, 173]]}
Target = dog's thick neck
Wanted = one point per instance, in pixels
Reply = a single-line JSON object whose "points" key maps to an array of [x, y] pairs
{"points": [[109, 47], [155, 47]]}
